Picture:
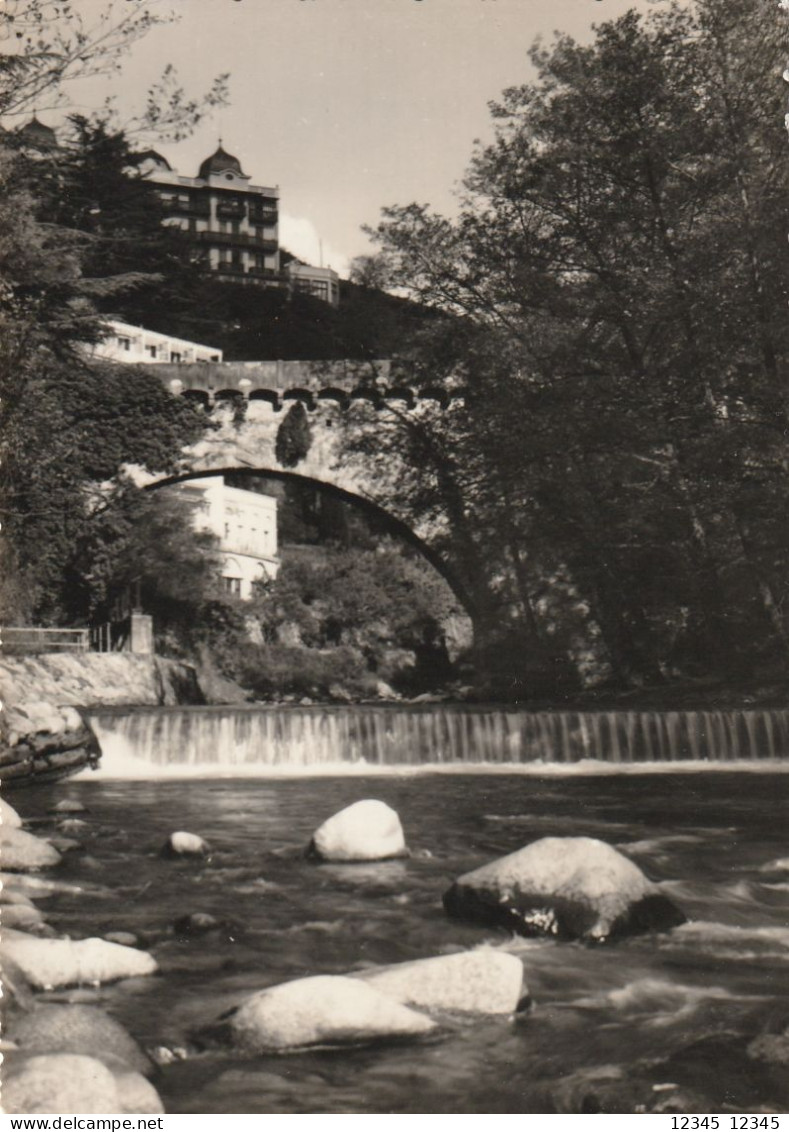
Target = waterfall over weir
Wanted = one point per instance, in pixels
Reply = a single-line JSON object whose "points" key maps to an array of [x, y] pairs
{"points": [[228, 740]]}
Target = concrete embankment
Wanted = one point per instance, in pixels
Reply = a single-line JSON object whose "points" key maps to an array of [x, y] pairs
{"points": [[42, 732]]}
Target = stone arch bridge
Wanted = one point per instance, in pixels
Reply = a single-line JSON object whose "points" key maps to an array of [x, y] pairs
{"points": [[313, 383], [245, 401]]}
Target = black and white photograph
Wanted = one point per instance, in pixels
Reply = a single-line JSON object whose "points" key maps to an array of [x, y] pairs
{"points": [[394, 560]]}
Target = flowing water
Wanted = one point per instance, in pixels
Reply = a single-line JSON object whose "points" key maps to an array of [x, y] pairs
{"points": [[254, 740], [696, 1014]]}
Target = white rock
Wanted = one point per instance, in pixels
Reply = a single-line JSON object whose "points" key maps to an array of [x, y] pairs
{"points": [[59, 1083], [182, 843], [70, 719], [24, 916], [136, 1094], [68, 806], [483, 981], [49, 963], [571, 887], [21, 850], [322, 1010], [8, 816], [779, 865], [36, 887], [76, 1028], [385, 691], [34, 717], [366, 831], [9, 894]]}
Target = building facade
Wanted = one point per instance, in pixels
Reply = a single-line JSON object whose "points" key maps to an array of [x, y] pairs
{"points": [[320, 282], [136, 346], [244, 522], [233, 223]]}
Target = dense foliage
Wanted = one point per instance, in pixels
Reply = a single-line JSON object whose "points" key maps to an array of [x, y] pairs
{"points": [[614, 298], [351, 612], [72, 523]]}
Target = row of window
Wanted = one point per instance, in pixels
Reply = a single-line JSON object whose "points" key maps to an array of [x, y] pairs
{"points": [[186, 202], [157, 353]]}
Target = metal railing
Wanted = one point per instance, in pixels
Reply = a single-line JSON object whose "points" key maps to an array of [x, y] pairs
{"points": [[110, 636], [26, 641]]}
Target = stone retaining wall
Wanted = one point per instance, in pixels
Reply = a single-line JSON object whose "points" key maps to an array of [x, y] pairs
{"points": [[43, 734]]}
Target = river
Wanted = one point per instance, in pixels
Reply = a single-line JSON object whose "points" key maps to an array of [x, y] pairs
{"points": [[695, 1013]]}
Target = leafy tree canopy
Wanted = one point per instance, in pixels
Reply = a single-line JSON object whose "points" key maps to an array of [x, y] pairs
{"points": [[612, 299]]}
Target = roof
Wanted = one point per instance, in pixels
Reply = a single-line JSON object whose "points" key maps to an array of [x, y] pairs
{"points": [[151, 155], [35, 133], [220, 162]]}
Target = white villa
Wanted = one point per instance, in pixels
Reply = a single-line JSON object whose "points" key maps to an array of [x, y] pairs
{"points": [[136, 346], [245, 523]]}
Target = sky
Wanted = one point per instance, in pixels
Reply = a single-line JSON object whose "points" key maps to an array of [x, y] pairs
{"points": [[345, 105]]}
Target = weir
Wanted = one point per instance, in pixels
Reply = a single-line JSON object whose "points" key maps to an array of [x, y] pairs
{"points": [[220, 739]]}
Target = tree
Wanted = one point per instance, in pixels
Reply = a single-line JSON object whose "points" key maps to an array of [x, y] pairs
{"points": [[73, 429], [294, 436], [49, 44], [69, 426], [145, 543], [613, 298]]}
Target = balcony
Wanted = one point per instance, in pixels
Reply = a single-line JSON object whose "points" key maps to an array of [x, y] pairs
{"points": [[268, 217], [237, 240], [187, 208], [259, 276], [263, 272], [227, 211]]}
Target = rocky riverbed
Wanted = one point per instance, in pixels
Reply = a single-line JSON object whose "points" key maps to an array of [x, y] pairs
{"points": [[118, 1000]]}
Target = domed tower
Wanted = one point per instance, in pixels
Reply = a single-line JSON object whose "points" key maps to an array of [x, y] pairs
{"points": [[34, 135], [221, 164], [240, 240]]}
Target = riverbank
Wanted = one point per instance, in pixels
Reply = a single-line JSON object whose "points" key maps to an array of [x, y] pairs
{"points": [[44, 732]]}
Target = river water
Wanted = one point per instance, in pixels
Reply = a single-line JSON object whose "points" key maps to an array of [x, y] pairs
{"points": [[695, 1015]]}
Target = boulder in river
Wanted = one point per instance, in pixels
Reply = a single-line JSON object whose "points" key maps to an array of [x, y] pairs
{"points": [[128, 939], [65, 844], [49, 963], [366, 831], [57, 1083], [22, 852], [183, 844], [79, 1029], [482, 981], [25, 916], [8, 816], [135, 1093], [567, 887], [197, 923], [68, 806], [323, 1010], [70, 826], [17, 994], [39, 739], [35, 887], [68, 1082]]}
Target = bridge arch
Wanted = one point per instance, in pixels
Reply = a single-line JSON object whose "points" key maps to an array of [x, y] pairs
{"points": [[384, 518]]}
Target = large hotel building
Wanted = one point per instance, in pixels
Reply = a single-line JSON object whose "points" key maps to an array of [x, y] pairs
{"points": [[234, 223]]}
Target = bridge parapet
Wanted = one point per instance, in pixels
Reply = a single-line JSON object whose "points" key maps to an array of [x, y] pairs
{"points": [[306, 381]]}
